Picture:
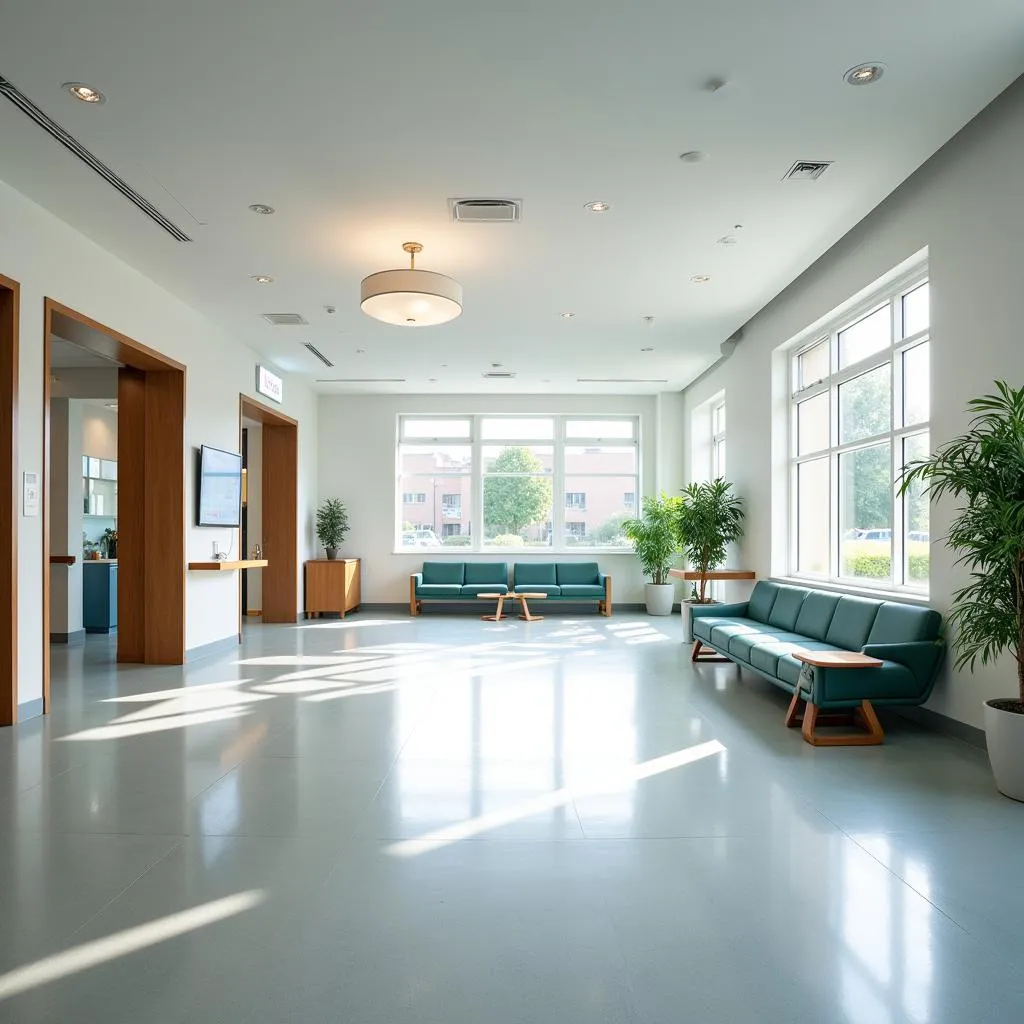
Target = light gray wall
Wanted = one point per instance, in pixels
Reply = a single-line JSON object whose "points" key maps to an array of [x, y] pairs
{"points": [[966, 205]]}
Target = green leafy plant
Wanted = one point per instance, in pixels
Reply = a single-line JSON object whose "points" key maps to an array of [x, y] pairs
{"points": [[516, 492], [654, 537], [983, 469], [331, 522], [709, 517]]}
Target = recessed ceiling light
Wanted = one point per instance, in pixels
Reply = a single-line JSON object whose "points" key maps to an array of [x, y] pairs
{"points": [[112, 405], [647, 349], [568, 316], [262, 209], [85, 93], [262, 278], [431, 380], [693, 156], [728, 240], [700, 278], [597, 207], [864, 74], [360, 351]]}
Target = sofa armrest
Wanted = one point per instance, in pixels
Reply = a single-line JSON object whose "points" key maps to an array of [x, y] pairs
{"points": [[416, 579], [604, 580], [728, 611], [921, 657]]}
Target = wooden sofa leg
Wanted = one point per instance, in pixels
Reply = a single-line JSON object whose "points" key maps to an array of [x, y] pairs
{"points": [[702, 654], [864, 717], [606, 605], [414, 605]]}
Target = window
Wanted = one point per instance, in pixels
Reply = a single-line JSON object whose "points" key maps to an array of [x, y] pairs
{"points": [[515, 481], [718, 440], [707, 434], [859, 414]]}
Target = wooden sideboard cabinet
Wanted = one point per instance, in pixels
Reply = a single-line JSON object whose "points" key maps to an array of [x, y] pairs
{"points": [[332, 586]]}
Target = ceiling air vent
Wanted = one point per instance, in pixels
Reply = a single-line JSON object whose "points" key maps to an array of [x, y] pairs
{"points": [[285, 319], [620, 380], [807, 170], [499, 375], [70, 143], [310, 347], [486, 211], [360, 380]]}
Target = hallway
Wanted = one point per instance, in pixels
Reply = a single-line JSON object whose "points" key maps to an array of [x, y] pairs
{"points": [[387, 819]]}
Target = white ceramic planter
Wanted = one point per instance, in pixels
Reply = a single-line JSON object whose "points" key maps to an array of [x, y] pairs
{"points": [[1004, 735], [686, 608], [659, 597]]}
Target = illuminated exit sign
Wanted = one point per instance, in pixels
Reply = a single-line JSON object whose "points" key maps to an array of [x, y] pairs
{"points": [[269, 384]]}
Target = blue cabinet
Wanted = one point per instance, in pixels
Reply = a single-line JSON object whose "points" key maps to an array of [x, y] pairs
{"points": [[99, 596]]}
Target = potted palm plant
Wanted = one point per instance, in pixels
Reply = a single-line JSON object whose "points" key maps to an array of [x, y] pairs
{"points": [[709, 517], [656, 544], [983, 470], [331, 525]]}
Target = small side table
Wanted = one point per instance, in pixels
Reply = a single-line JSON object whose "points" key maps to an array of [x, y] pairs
{"points": [[500, 598], [809, 716], [332, 585]]}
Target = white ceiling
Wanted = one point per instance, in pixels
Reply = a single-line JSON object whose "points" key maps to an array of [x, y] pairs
{"points": [[359, 122], [65, 355]]}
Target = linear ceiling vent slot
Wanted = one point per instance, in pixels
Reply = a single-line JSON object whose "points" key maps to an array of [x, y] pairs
{"points": [[69, 142], [360, 380], [620, 380], [499, 375], [310, 347], [486, 211], [807, 170], [285, 319]]}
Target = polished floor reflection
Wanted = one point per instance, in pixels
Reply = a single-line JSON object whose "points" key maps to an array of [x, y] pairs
{"points": [[444, 820]]}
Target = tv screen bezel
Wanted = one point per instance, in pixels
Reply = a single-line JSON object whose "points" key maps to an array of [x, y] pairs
{"points": [[199, 489]]}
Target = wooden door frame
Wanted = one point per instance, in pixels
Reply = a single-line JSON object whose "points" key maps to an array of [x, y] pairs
{"points": [[166, 391], [10, 304], [279, 495]]}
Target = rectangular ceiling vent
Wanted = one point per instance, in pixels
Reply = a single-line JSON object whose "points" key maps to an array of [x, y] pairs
{"points": [[807, 170], [360, 380], [486, 211], [285, 319], [620, 380], [499, 375], [69, 142], [310, 347]]}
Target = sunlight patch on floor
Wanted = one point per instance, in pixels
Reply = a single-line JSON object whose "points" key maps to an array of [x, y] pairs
{"points": [[123, 730]]}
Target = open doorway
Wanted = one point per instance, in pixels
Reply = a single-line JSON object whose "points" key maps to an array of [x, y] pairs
{"points": [[270, 442], [149, 489], [9, 510]]}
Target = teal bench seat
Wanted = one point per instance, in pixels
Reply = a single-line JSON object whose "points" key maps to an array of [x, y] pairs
{"points": [[456, 581], [762, 634], [564, 581]]}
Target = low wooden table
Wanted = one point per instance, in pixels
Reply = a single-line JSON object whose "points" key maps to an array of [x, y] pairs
{"points": [[502, 598], [809, 717]]}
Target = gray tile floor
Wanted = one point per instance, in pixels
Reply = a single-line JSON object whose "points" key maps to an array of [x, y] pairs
{"points": [[445, 820]]}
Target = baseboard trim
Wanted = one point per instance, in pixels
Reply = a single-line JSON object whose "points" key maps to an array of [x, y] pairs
{"points": [[30, 709], [459, 607], [254, 611], [229, 643], [73, 639], [945, 725]]}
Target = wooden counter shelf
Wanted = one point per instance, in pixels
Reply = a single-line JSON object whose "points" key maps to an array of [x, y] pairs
{"points": [[720, 574], [249, 563]]}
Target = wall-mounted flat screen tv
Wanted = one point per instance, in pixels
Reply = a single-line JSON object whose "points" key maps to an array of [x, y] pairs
{"points": [[219, 489]]}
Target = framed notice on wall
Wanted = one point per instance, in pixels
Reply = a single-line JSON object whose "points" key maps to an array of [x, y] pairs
{"points": [[269, 384], [30, 494]]}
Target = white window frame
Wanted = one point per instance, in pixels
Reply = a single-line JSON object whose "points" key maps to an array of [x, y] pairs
{"points": [[559, 443], [891, 294], [718, 449]]}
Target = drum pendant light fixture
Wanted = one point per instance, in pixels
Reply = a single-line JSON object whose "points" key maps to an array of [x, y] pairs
{"points": [[411, 298]]}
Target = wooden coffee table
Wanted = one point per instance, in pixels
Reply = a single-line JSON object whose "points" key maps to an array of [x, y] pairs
{"points": [[810, 717], [502, 598]]}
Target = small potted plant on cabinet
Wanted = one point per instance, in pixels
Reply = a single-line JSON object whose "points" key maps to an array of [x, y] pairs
{"points": [[331, 525], [709, 517], [656, 544], [983, 470]]}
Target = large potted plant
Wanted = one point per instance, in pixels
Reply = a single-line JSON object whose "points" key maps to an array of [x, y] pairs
{"points": [[656, 544], [709, 517], [983, 470], [331, 525]]}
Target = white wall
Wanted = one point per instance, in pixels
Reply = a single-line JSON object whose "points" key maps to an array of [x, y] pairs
{"points": [[966, 205], [357, 464], [49, 258], [99, 432]]}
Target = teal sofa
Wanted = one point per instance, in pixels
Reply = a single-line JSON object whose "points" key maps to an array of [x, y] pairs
{"points": [[762, 634], [456, 581], [564, 581]]}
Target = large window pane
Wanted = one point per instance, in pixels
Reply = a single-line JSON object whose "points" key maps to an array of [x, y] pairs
{"points": [[916, 385], [517, 495], [600, 459], [812, 425], [865, 337], [430, 459], [595, 509], [625, 429], [865, 513], [865, 405], [813, 516], [916, 540], [812, 365], [430, 509], [915, 311], [436, 428], [517, 428]]}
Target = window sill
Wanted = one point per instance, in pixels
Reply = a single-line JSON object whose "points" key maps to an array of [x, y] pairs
{"points": [[431, 553], [899, 596]]}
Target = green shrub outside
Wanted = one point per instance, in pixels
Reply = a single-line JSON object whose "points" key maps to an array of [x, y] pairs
{"points": [[457, 540], [876, 567], [507, 540]]}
